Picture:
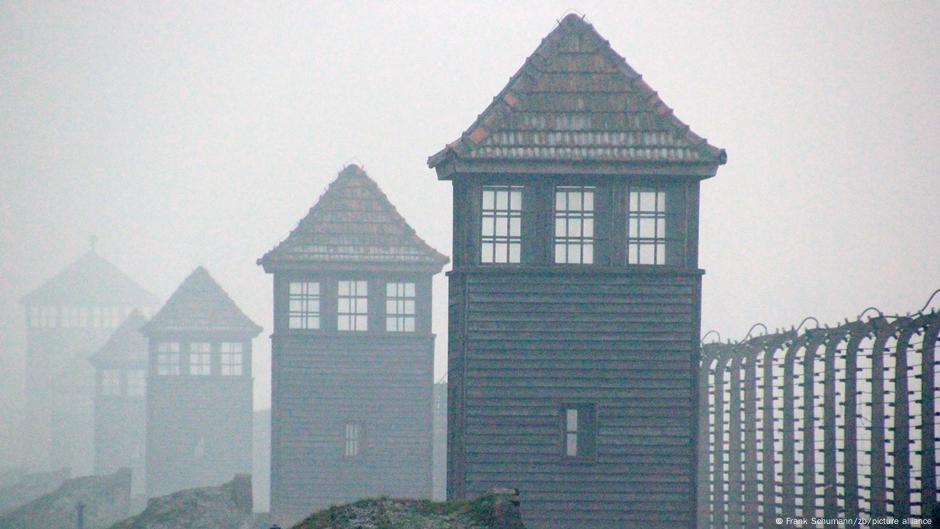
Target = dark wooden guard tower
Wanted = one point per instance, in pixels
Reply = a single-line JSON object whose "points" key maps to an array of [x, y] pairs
{"points": [[352, 353], [120, 410], [199, 390], [575, 293], [69, 317]]}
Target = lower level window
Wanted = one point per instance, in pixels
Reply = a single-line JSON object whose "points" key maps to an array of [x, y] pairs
{"points": [[111, 382], [579, 426], [136, 382], [353, 446], [231, 359], [200, 358]]}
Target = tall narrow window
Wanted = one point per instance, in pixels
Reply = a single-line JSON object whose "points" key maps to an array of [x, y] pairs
{"points": [[400, 307], [574, 224], [646, 226], [352, 304], [501, 224], [231, 359], [136, 382], [111, 382], [168, 358], [578, 431], [303, 311], [353, 447], [200, 358]]}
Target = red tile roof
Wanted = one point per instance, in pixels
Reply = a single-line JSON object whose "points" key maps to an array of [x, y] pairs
{"points": [[199, 305], [126, 346], [576, 100], [353, 223]]}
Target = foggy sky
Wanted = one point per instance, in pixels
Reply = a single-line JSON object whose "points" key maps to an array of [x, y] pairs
{"points": [[184, 135]]}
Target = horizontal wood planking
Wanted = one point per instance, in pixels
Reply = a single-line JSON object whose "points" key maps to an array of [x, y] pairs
{"points": [[521, 345], [323, 381]]}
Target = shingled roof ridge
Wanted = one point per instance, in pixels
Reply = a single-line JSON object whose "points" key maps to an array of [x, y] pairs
{"points": [[354, 175], [572, 22], [200, 281], [122, 338]]}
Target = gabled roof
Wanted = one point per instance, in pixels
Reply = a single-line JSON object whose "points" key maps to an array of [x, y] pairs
{"points": [[89, 281], [576, 100], [353, 223], [199, 305], [127, 345]]}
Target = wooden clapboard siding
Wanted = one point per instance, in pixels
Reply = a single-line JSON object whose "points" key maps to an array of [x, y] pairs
{"points": [[324, 381], [523, 344]]}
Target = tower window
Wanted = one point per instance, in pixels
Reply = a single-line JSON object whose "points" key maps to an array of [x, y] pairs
{"points": [[111, 382], [646, 226], [353, 306], [400, 307], [136, 382], [231, 358], [574, 224], [168, 358], [501, 224], [303, 311], [353, 446], [200, 358], [578, 431]]}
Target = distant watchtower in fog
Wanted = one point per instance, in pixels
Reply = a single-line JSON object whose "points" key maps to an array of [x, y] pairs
{"points": [[68, 318], [352, 353], [575, 295], [199, 390], [120, 411]]}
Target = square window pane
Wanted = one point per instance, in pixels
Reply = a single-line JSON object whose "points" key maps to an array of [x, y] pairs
{"points": [[574, 201], [588, 254], [571, 419], [647, 228], [647, 254], [560, 202], [634, 227], [515, 200], [515, 227], [574, 227], [486, 252], [514, 252], [362, 323], [409, 306], [410, 290], [295, 288], [660, 228], [502, 227], [390, 289], [560, 254], [344, 288], [343, 305], [488, 200], [342, 323], [409, 324], [588, 228], [571, 445], [660, 253], [391, 307], [391, 324], [634, 201], [588, 201], [362, 288], [502, 200], [500, 253], [661, 201], [560, 228]]}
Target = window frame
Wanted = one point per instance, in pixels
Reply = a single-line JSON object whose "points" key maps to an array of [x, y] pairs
{"points": [[131, 388], [581, 216], [357, 443], [111, 382], [356, 312], [585, 432], [228, 352], [204, 354], [397, 303], [661, 240], [509, 243], [308, 319], [171, 350]]}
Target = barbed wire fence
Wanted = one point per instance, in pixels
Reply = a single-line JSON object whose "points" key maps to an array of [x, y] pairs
{"points": [[819, 421]]}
